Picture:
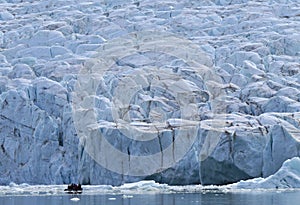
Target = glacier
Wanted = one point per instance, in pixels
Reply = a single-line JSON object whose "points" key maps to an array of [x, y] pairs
{"points": [[179, 92], [285, 179]]}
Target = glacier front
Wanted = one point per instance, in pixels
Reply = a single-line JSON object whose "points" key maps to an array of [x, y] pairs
{"points": [[180, 92]]}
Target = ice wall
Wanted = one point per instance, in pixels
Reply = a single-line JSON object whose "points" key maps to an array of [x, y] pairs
{"points": [[221, 79]]}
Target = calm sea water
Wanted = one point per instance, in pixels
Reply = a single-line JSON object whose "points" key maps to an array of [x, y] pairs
{"points": [[239, 198]]}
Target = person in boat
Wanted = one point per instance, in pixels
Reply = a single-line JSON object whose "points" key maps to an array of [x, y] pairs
{"points": [[74, 187]]}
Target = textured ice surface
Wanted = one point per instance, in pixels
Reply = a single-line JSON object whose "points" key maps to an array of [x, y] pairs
{"points": [[228, 81], [286, 178]]}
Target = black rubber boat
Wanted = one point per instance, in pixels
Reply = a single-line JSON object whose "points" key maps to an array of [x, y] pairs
{"points": [[74, 189]]}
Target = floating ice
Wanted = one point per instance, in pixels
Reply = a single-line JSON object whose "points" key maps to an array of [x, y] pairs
{"points": [[287, 177], [75, 199]]}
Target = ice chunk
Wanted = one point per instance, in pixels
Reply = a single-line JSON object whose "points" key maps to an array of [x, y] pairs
{"points": [[288, 176], [5, 16]]}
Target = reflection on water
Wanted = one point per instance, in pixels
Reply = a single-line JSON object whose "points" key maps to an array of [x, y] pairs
{"points": [[245, 198]]}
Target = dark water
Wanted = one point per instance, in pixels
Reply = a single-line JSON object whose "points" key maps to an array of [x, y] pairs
{"points": [[241, 198]]}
